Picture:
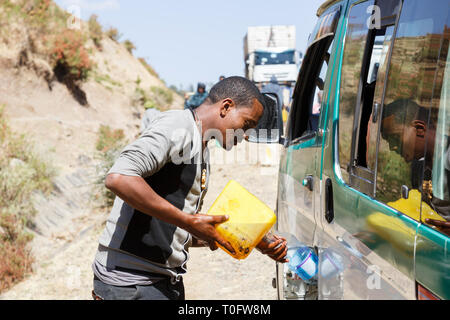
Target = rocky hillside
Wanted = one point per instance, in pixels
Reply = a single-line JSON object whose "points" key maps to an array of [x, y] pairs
{"points": [[63, 117], [59, 85]]}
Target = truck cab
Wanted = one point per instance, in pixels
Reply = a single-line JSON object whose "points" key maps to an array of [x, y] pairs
{"points": [[283, 63], [270, 53], [365, 160]]}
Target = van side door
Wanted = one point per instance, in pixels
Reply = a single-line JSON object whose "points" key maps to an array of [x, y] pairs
{"points": [[371, 198], [299, 159]]}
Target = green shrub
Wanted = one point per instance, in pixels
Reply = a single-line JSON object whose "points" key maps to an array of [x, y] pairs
{"points": [[150, 105], [162, 96], [37, 10], [16, 261], [156, 97], [108, 139], [95, 31], [113, 34], [43, 15], [148, 67], [129, 46], [140, 97], [105, 79], [138, 81]]}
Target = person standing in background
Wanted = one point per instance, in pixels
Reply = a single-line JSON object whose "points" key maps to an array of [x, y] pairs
{"points": [[198, 98]]}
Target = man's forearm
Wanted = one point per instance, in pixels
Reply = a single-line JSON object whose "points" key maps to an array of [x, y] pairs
{"points": [[139, 195]]}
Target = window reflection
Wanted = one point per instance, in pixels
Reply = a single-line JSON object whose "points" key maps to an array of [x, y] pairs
{"points": [[406, 133], [372, 130], [355, 43]]}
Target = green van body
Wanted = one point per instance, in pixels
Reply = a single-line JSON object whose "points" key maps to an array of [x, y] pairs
{"points": [[368, 266]]}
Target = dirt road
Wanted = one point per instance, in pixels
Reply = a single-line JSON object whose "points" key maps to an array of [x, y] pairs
{"points": [[211, 275]]}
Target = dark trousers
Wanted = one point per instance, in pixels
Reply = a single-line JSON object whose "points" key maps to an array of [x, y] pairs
{"points": [[161, 290]]}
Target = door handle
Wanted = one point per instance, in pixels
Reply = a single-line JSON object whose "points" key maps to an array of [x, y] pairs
{"points": [[376, 112], [329, 205]]}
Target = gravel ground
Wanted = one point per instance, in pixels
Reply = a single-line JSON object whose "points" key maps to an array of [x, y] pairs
{"points": [[211, 275]]}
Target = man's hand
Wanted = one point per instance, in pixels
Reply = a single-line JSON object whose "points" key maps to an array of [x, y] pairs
{"points": [[443, 226], [275, 247], [202, 227]]}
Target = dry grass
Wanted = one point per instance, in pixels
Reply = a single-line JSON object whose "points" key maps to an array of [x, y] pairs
{"points": [[109, 144], [22, 172]]}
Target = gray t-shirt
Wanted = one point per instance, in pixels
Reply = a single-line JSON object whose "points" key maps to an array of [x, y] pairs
{"points": [[149, 114], [122, 278], [168, 155]]}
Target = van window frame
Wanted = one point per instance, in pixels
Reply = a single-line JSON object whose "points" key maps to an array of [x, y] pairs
{"points": [[318, 47], [361, 178]]}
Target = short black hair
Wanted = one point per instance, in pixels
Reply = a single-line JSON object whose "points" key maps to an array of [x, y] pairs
{"points": [[403, 111], [241, 90]]}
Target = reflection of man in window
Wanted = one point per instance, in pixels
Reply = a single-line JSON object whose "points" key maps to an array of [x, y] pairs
{"points": [[404, 127]]}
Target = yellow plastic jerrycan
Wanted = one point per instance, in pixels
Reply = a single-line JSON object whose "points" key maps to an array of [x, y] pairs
{"points": [[249, 219]]}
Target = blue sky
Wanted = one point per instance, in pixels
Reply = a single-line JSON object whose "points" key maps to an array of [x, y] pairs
{"points": [[198, 40]]}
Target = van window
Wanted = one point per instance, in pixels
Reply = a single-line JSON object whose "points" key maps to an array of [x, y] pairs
{"points": [[303, 121], [374, 86], [373, 124], [363, 74], [313, 123], [355, 43], [305, 114], [407, 103], [307, 99]]}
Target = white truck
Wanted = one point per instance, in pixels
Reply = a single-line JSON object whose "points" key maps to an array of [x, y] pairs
{"points": [[270, 51]]}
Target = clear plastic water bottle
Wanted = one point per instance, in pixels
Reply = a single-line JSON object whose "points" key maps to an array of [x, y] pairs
{"points": [[303, 261]]}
